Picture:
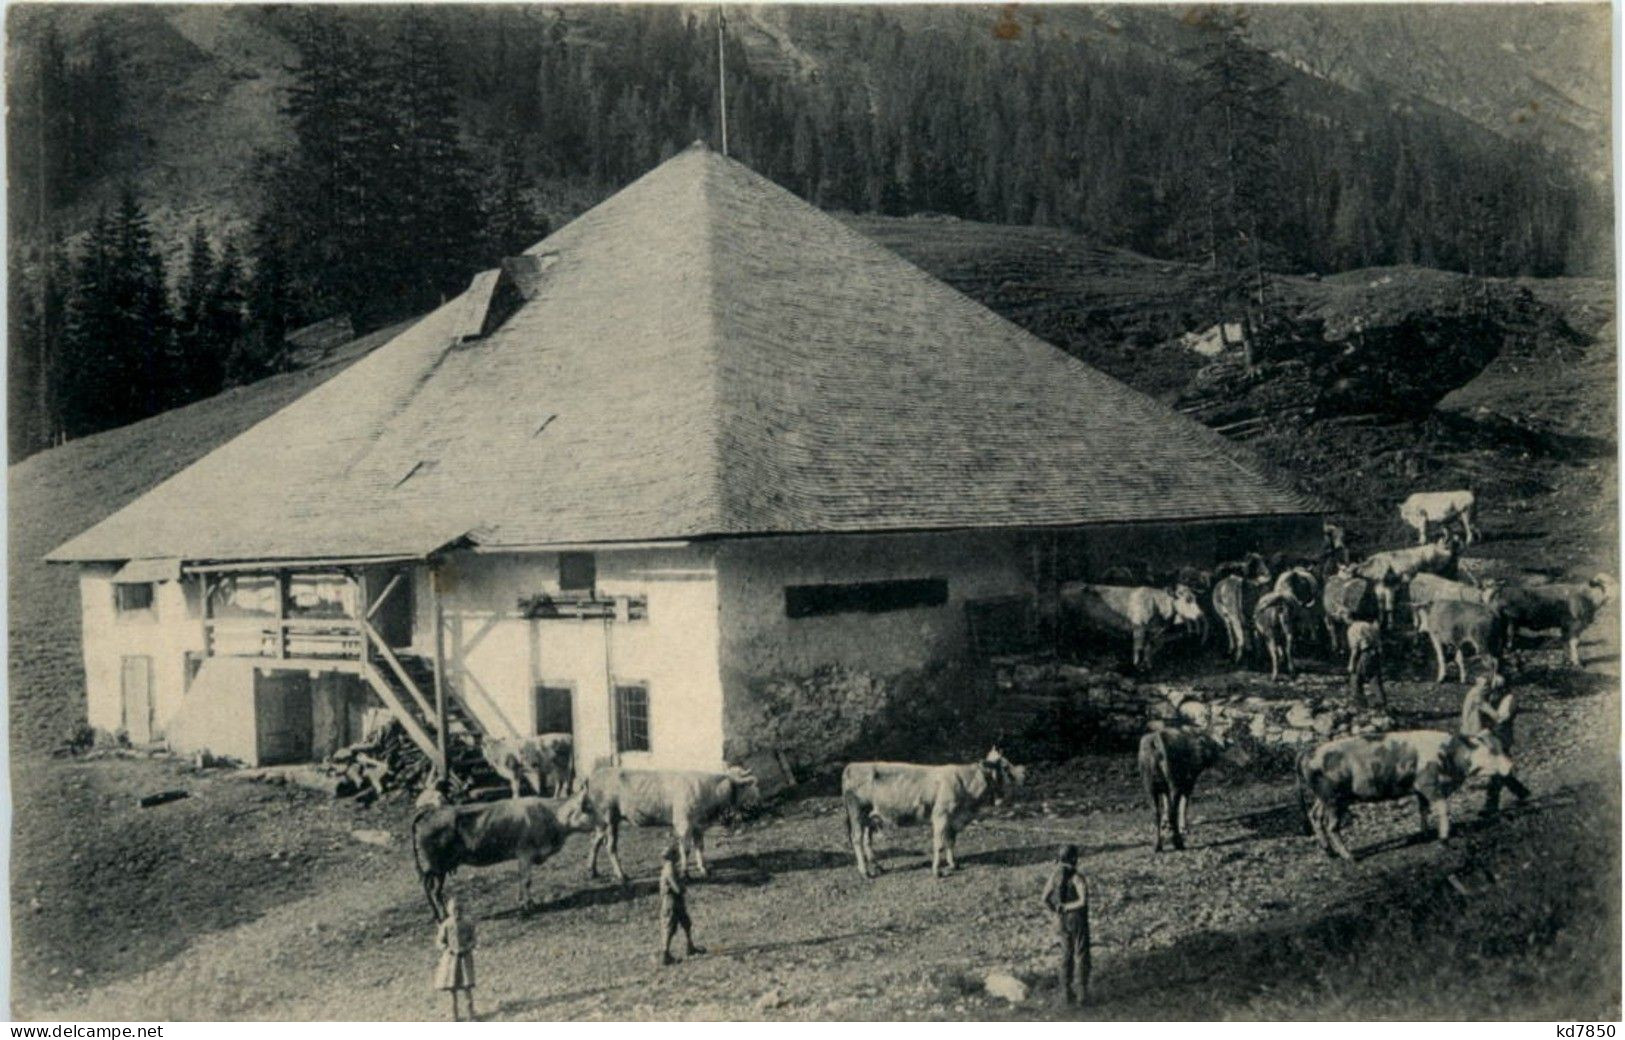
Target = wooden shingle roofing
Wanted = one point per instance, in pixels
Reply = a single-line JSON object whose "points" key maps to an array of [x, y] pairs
{"points": [[702, 354]]}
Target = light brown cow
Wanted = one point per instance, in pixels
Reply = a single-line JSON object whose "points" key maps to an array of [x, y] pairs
{"points": [[1455, 625], [1141, 612], [1426, 764], [1438, 557], [1440, 507], [1278, 613], [900, 794], [686, 800]]}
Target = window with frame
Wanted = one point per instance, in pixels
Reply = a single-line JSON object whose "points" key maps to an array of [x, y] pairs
{"points": [[578, 572], [869, 597], [632, 716], [554, 708], [133, 598]]}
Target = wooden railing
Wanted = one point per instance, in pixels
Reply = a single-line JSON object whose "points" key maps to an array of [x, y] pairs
{"points": [[325, 638]]}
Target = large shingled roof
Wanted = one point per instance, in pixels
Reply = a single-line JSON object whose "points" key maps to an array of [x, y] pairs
{"points": [[701, 354]]}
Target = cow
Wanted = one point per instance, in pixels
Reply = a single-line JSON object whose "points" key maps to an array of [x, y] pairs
{"points": [[558, 762], [1170, 761], [1141, 612], [1300, 583], [900, 794], [1365, 661], [1423, 589], [1334, 549], [687, 800], [1381, 767], [1250, 567], [1455, 625], [1438, 557], [527, 830], [1570, 609], [1274, 619], [1234, 598], [516, 760], [1347, 599], [1440, 507]]}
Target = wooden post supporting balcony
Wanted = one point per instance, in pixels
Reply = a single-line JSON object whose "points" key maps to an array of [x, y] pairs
{"points": [[438, 612]]}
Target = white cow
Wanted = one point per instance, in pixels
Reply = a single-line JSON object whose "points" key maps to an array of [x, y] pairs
{"points": [[1440, 507]]}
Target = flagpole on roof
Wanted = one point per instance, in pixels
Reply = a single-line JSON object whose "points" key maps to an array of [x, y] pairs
{"points": [[722, 83]]}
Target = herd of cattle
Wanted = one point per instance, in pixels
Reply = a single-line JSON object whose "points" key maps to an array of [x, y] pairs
{"points": [[1354, 602], [1274, 605]]}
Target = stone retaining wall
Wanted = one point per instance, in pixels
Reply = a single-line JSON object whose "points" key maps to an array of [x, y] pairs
{"points": [[1119, 709]]}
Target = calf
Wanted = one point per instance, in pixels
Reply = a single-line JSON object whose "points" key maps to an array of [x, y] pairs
{"points": [[687, 801], [1274, 619], [1142, 613], [899, 794], [1455, 625], [527, 830], [1426, 764], [1440, 507], [1570, 609], [1170, 762], [1365, 662]]}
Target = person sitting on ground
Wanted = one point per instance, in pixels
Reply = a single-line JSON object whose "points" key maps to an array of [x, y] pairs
{"points": [[1066, 895], [673, 908]]}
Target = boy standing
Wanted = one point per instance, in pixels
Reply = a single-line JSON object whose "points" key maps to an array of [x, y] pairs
{"points": [[673, 907], [1066, 894]]}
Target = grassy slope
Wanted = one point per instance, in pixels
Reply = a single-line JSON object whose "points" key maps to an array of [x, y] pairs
{"points": [[59, 493]]}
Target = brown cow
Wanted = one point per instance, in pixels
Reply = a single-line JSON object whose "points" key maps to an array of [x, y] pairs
{"points": [[900, 794], [1568, 608], [1382, 767], [527, 830], [1347, 599], [1170, 762]]}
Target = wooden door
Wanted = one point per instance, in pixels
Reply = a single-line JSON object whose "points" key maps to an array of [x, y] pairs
{"points": [[283, 717], [136, 683]]}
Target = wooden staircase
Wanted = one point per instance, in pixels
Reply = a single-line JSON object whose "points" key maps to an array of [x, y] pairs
{"points": [[405, 683]]}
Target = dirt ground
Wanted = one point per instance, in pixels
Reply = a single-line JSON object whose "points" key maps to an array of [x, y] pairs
{"points": [[247, 900]]}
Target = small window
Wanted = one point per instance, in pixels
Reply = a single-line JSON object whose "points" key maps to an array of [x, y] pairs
{"points": [[554, 713], [870, 597], [130, 599], [578, 572], [632, 716]]}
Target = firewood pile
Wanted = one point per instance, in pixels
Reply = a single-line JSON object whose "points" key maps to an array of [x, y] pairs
{"points": [[385, 760]]}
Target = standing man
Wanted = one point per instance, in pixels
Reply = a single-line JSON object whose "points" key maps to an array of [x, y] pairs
{"points": [[1066, 895]]}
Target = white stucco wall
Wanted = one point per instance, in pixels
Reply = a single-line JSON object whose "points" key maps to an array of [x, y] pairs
{"points": [[496, 657], [164, 634], [761, 643]]}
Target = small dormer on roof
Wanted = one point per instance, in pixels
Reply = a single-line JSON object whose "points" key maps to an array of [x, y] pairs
{"points": [[493, 296]]}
